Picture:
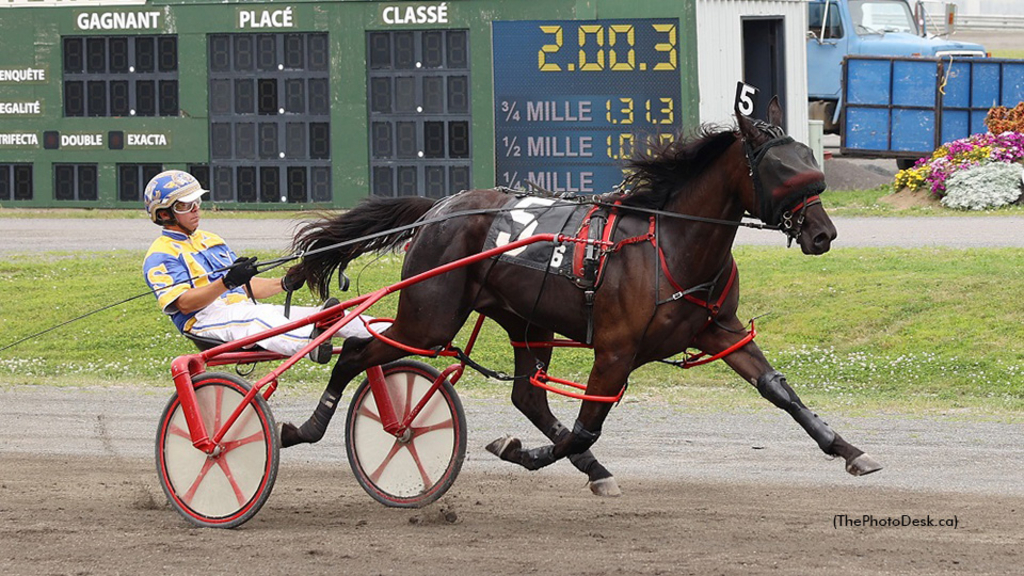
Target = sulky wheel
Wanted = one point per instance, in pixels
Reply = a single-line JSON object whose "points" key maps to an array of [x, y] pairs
{"points": [[226, 489], [419, 467]]}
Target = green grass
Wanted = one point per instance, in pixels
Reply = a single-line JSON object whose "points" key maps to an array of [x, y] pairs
{"points": [[1008, 53], [867, 329], [853, 203]]}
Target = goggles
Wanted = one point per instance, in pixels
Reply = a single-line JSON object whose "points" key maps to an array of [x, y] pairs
{"points": [[186, 207]]}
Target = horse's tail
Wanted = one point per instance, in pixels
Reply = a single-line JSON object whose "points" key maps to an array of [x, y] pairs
{"points": [[372, 216]]}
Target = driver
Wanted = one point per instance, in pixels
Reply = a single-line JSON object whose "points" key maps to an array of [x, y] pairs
{"points": [[182, 268]]}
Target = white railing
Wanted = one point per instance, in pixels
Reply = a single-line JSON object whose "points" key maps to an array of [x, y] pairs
{"points": [[936, 22], [989, 22]]}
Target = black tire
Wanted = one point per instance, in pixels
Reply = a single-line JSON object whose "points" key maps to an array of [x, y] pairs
{"points": [[412, 472], [226, 490]]}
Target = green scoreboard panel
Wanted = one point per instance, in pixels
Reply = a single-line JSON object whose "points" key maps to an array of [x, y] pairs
{"points": [[295, 105]]}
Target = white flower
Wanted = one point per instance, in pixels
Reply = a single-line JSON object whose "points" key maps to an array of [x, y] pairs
{"points": [[985, 186]]}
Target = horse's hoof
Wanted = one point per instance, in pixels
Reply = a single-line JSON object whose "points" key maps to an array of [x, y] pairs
{"points": [[605, 487], [863, 465], [503, 446], [289, 435]]}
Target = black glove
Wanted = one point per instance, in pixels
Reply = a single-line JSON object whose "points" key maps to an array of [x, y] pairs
{"points": [[241, 271], [292, 280]]}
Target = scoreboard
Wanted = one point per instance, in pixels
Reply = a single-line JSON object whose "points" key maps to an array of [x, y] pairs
{"points": [[295, 105], [575, 97]]}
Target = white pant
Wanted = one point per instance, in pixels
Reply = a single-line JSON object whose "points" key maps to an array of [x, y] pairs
{"points": [[228, 322]]}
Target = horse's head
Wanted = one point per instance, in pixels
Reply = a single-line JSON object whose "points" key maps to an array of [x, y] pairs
{"points": [[785, 182]]}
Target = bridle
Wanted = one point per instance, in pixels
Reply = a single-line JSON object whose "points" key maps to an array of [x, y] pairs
{"points": [[771, 211], [792, 229]]}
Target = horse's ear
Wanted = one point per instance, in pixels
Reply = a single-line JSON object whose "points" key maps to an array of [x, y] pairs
{"points": [[746, 126], [775, 112]]}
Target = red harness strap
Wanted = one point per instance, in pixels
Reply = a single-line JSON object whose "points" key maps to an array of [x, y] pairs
{"points": [[809, 201], [698, 358]]}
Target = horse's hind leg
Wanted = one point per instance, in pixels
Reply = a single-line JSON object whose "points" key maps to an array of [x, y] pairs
{"points": [[607, 377], [412, 326], [533, 403], [750, 363]]}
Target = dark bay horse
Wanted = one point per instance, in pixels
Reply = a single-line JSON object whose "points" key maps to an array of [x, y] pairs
{"points": [[688, 196]]}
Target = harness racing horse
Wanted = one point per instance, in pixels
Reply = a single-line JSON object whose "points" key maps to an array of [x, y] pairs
{"points": [[688, 196]]}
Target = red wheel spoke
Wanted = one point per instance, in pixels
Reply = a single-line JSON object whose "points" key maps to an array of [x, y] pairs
{"points": [[187, 497], [410, 381], [364, 410], [446, 425], [375, 476], [416, 458], [218, 403], [229, 446], [223, 464], [175, 430]]}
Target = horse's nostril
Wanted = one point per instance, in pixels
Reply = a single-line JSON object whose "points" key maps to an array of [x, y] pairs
{"points": [[822, 240]]}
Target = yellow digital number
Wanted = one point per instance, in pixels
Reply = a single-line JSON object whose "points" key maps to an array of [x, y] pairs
{"points": [[626, 111], [598, 33], [542, 64], [669, 47], [622, 149], [667, 113], [614, 31]]}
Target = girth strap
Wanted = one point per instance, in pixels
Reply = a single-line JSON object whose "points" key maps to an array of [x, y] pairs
{"points": [[709, 287]]}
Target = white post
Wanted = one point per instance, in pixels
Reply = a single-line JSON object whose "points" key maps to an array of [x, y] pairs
{"points": [[815, 139]]}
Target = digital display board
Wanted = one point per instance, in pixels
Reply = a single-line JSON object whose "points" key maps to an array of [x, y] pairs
{"points": [[270, 112], [419, 112], [572, 98]]}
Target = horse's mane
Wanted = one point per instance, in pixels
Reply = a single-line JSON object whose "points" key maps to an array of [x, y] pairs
{"points": [[667, 167]]}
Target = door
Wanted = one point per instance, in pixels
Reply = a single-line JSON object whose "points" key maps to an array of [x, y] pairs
{"points": [[764, 61]]}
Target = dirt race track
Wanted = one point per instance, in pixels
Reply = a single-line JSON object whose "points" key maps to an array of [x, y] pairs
{"points": [[704, 493], [99, 516]]}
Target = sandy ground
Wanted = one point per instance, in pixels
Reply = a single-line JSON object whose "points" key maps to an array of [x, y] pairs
{"points": [[96, 517], [704, 493]]}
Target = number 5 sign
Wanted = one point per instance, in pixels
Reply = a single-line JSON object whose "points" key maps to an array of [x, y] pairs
{"points": [[745, 95]]}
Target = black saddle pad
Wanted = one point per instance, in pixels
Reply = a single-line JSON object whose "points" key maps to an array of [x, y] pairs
{"points": [[530, 215]]}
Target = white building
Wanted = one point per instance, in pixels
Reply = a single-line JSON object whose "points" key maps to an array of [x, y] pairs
{"points": [[761, 42]]}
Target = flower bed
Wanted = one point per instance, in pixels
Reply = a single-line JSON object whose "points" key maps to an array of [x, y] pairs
{"points": [[981, 171]]}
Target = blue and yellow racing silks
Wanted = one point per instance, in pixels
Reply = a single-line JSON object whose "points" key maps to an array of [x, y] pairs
{"points": [[176, 262]]}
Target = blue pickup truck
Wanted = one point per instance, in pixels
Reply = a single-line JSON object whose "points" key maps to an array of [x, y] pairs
{"points": [[888, 28]]}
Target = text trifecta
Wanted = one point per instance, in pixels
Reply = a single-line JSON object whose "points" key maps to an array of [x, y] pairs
{"points": [[19, 140]]}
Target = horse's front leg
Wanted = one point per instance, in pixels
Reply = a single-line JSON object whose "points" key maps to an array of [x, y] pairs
{"points": [[750, 363], [606, 379]]}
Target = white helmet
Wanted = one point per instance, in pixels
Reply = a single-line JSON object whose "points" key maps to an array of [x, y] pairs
{"points": [[169, 187]]}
